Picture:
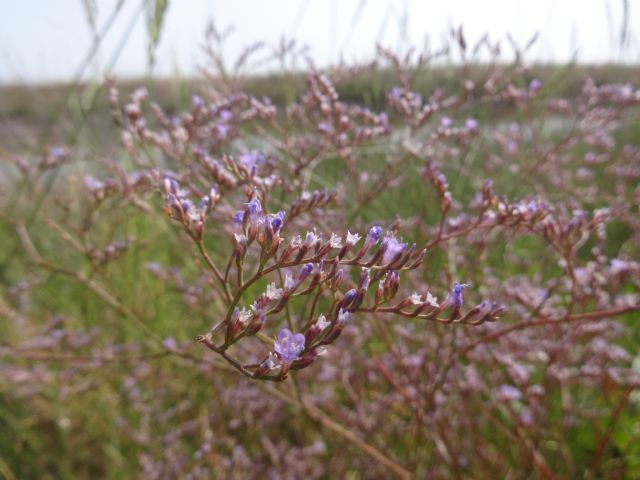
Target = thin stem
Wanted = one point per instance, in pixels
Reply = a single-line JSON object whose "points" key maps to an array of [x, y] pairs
{"points": [[588, 316], [214, 269]]}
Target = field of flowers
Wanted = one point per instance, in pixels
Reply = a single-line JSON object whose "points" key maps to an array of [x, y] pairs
{"points": [[397, 270]]}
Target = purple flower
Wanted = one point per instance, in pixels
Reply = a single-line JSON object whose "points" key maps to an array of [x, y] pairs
{"points": [[455, 296], [277, 220], [223, 129], [509, 392], [305, 272], [238, 217], [395, 94], [471, 124], [325, 127], [344, 316], [373, 236], [170, 343], [226, 115], [92, 184], [288, 345], [197, 101], [535, 84], [251, 159], [58, 152], [393, 248], [446, 122], [254, 207], [311, 239], [348, 298]]}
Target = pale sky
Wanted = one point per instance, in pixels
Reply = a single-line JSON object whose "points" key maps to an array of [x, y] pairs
{"points": [[46, 40]]}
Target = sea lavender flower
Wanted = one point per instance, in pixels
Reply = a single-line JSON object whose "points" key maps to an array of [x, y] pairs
{"points": [[455, 296], [393, 249], [273, 292], [395, 94], [352, 238], [92, 184], [471, 124], [197, 101], [311, 239], [416, 299], [305, 271], [322, 322], [344, 316], [431, 300], [289, 283], [535, 84], [251, 160], [325, 127], [226, 115], [348, 298], [509, 392], [288, 345], [335, 241], [372, 237], [277, 221], [446, 122], [255, 208]]}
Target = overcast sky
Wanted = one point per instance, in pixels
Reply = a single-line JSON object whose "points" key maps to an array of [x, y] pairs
{"points": [[46, 40]]}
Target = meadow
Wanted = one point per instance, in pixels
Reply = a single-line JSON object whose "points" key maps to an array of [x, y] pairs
{"points": [[396, 270]]}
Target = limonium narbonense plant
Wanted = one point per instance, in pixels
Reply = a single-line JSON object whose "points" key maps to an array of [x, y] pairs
{"points": [[447, 276]]}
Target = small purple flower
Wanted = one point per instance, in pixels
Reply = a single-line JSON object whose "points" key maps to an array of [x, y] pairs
{"points": [[58, 152], [251, 159], [348, 298], [305, 271], [288, 345], [395, 94], [344, 316], [92, 184], [277, 220], [171, 186], [509, 392], [311, 239], [471, 124], [187, 206], [325, 127], [170, 343], [455, 296], [226, 115], [223, 129], [535, 85], [204, 203], [393, 279], [197, 101], [393, 248], [238, 217], [289, 283], [512, 146], [446, 122], [254, 207], [373, 236]]}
